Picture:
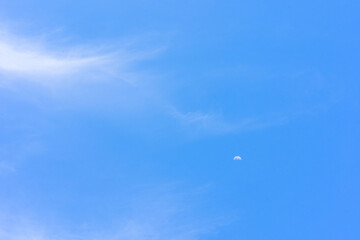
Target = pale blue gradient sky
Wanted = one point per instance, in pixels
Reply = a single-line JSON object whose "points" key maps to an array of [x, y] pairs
{"points": [[119, 120]]}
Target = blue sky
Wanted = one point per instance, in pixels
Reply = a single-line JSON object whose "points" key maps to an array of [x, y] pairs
{"points": [[119, 120]]}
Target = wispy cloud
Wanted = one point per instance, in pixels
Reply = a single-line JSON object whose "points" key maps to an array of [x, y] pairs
{"points": [[165, 215], [15, 59], [48, 64], [132, 230], [40, 61], [56, 73], [216, 123], [192, 117]]}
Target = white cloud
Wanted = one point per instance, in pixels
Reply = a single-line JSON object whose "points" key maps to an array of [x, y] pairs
{"points": [[155, 214], [14, 59], [31, 60], [55, 73], [43, 61], [237, 158]]}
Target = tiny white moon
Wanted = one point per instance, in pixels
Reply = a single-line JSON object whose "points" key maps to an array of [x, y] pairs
{"points": [[237, 158]]}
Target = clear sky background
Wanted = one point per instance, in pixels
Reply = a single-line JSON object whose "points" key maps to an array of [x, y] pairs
{"points": [[119, 120]]}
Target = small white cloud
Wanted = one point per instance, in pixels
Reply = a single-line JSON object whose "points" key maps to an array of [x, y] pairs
{"points": [[237, 158]]}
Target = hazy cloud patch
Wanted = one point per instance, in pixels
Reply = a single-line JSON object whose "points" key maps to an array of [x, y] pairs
{"points": [[48, 63], [166, 214]]}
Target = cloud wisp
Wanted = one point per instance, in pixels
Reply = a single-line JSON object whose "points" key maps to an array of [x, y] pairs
{"points": [[38, 61], [216, 123], [118, 82], [34, 62], [164, 215]]}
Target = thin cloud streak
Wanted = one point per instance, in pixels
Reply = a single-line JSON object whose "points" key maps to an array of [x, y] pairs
{"points": [[28, 60], [215, 123], [38, 61]]}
